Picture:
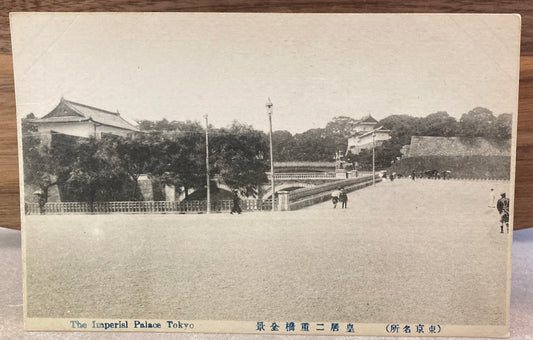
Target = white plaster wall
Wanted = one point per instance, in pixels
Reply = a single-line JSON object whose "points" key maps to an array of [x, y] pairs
{"points": [[79, 129], [365, 127], [356, 144], [368, 139], [109, 129]]}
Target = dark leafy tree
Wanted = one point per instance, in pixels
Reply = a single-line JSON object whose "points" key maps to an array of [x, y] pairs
{"points": [[350, 159], [340, 129], [477, 122], [314, 145], [39, 166], [138, 155], [97, 174], [387, 154], [159, 125], [341, 126], [364, 159], [283, 145], [402, 127], [239, 156], [438, 124], [503, 126], [47, 158], [178, 155], [173, 151], [184, 160]]}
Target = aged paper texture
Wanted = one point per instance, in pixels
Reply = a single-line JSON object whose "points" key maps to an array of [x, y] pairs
{"points": [[333, 174]]}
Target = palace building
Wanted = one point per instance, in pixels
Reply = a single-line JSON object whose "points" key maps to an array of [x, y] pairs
{"points": [[366, 133]]}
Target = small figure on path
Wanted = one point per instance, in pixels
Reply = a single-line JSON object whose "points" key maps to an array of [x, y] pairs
{"points": [[343, 197], [41, 200], [335, 197], [503, 209], [492, 198], [236, 203], [413, 175]]}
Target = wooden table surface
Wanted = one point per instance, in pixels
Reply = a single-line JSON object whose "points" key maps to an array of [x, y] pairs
{"points": [[9, 187]]}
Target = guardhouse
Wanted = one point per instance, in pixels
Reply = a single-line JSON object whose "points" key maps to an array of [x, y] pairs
{"points": [[82, 120]]}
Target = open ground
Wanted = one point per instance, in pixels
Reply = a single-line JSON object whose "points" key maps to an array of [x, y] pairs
{"points": [[403, 251]]}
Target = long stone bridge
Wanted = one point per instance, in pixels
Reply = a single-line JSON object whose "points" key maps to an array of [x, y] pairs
{"points": [[289, 176]]}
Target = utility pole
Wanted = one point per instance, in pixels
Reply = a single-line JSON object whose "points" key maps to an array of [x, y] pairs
{"points": [[207, 164], [373, 158], [269, 106]]}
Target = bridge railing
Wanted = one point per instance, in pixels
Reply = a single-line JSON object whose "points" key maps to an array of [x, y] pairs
{"points": [[365, 172], [303, 164], [309, 196], [145, 207], [327, 187], [302, 176]]}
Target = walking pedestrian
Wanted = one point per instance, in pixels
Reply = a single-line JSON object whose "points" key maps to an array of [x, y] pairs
{"points": [[503, 209], [492, 198], [41, 199], [343, 197], [335, 197], [236, 203]]}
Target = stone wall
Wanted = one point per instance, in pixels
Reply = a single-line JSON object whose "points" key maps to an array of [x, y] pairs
{"points": [[422, 146]]}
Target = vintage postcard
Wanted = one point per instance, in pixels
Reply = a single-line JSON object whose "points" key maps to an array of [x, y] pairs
{"points": [[322, 174]]}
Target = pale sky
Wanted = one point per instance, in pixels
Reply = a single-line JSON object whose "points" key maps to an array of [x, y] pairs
{"points": [[181, 66]]}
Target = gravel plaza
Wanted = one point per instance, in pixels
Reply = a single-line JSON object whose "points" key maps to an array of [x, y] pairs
{"points": [[403, 251]]}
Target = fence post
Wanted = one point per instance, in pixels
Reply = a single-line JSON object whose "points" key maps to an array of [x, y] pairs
{"points": [[283, 200]]}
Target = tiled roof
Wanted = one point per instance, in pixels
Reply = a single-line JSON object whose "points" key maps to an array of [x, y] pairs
{"points": [[361, 134], [80, 112], [368, 119], [379, 129]]}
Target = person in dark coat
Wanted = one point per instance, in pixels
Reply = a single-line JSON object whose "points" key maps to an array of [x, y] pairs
{"points": [[503, 208], [236, 203], [41, 199], [343, 197]]}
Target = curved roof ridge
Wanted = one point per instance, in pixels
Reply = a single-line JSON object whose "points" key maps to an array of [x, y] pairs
{"points": [[88, 106], [88, 112]]}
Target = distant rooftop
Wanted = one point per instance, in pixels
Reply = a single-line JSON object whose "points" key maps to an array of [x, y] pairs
{"points": [[368, 119], [69, 111], [379, 129]]}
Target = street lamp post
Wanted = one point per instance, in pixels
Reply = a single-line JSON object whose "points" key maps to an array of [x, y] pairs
{"points": [[207, 164], [269, 109], [373, 158]]}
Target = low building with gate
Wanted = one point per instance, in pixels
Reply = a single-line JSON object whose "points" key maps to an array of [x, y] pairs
{"points": [[81, 120]]}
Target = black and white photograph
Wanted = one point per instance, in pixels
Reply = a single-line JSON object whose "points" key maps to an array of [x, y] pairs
{"points": [[321, 174]]}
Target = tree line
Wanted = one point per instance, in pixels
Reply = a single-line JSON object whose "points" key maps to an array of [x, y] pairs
{"points": [[478, 122], [322, 144], [107, 168], [173, 152]]}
